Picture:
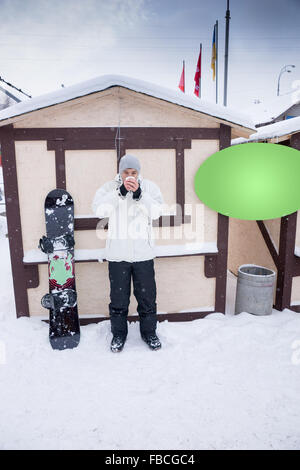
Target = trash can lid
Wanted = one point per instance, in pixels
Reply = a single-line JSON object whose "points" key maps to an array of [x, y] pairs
{"points": [[256, 270]]}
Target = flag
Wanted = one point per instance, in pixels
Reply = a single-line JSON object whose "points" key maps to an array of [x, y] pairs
{"points": [[197, 77], [181, 83], [213, 54]]}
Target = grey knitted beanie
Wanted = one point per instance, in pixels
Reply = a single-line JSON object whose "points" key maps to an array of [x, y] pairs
{"points": [[129, 161]]}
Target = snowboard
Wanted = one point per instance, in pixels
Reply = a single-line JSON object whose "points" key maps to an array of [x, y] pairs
{"points": [[58, 244]]}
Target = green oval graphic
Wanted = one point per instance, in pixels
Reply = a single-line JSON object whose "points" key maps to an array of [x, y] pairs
{"points": [[254, 181]]}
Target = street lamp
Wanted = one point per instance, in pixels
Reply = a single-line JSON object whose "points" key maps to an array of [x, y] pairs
{"points": [[284, 69]]}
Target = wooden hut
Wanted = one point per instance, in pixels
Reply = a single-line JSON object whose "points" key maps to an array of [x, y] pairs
{"points": [[73, 138], [274, 243]]}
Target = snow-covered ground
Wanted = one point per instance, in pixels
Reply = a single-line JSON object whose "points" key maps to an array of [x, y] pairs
{"points": [[2, 199], [224, 382]]}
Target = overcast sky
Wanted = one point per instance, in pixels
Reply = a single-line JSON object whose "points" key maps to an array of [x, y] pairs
{"points": [[45, 43]]}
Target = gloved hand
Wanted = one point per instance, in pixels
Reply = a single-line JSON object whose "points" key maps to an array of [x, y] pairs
{"points": [[123, 190], [136, 194]]}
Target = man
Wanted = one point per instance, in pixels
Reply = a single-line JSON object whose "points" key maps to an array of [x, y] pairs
{"points": [[131, 203]]}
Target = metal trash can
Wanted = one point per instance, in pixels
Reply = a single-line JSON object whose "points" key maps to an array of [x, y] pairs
{"points": [[255, 290]]}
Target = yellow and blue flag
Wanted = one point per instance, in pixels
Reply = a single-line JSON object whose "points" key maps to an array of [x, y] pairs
{"points": [[214, 54]]}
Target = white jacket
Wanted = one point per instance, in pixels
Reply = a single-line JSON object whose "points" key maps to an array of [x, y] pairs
{"points": [[130, 233]]}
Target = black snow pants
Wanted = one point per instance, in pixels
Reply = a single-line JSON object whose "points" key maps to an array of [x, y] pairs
{"points": [[144, 289]]}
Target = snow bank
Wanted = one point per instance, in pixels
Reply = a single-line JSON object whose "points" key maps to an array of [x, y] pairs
{"points": [[2, 196], [223, 382], [3, 226], [7, 304]]}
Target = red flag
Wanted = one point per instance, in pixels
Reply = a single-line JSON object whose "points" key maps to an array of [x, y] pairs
{"points": [[181, 83], [197, 77]]}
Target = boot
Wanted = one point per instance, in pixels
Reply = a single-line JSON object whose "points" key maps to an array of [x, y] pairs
{"points": [[152, 340], [117, 343]]}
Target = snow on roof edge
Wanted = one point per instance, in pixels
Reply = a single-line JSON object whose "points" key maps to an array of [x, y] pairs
{"points": [[104, 82], [271, 131]]}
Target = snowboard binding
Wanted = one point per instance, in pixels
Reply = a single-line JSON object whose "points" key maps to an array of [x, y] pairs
{"points": [[49, 245], [61, 299]]}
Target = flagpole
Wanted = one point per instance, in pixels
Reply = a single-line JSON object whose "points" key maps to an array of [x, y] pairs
{"points": [[217, 52], [226, 53], [200, 69], [183, 77]]}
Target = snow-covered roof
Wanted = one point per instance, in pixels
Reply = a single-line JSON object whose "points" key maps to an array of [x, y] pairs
{"points": [[9, 96], [270, 109], [104, 82], [272, 131]]}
